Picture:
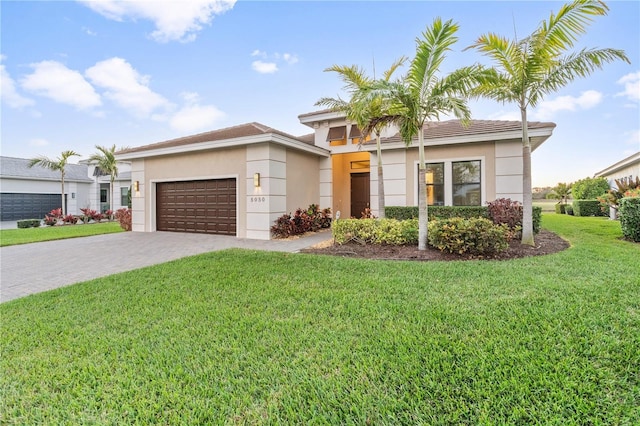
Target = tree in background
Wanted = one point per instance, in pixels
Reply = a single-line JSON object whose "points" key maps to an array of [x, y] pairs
{"points": [[59, 164], [560, 192], [529, 69], [589, 188], [105, 162]]}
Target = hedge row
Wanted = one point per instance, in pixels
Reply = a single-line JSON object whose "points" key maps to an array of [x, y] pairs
{"points": [[629, 214], [29, 223], [449, 212], [587, 208]]}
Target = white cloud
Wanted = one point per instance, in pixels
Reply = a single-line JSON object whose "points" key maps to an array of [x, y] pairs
{"points": [[633, 138], [264, 67], [259, 53], [505, 116], [289, 58], [174, 20], [8, 91], [126, 87], [631, 86], [193, 117], [89, 32], [38, 142], [55, 81], [586, 100]]}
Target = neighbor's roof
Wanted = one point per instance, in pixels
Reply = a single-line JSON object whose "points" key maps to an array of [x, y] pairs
{"points": [[622, 164], [11, 167], [453, 128], [235, 132]]}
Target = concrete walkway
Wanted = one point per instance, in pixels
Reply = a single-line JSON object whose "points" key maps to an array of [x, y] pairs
{"points": [[33, 268]]}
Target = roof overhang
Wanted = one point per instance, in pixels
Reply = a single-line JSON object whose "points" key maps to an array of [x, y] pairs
{"points": [[622, 164], [226, 143], [311, 118]]}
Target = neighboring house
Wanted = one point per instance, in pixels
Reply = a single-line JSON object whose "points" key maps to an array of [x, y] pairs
{"points": [[624, 170], [100, 196], [239, 180], [31, 192]]}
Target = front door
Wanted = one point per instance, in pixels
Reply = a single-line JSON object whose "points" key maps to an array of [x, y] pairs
{"points": [[360, 196]]}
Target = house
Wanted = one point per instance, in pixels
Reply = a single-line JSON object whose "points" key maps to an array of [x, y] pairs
{"points": [[239, 180], [31, 192], [624, 170]]}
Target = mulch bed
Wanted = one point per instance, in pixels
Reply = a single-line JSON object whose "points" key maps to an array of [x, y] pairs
{"points": [[546, 243]]}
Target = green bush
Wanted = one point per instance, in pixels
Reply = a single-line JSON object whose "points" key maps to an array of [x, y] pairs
{"points": [[629, 214], [561, 208], [587, 208], [29, 223], [568, 209], [477, 236], [589, 188], [537, 219], [376, 231], [436, 212]]}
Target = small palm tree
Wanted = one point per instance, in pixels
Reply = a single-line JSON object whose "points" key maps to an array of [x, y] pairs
{"points": [[538, 65], [105, 162], [423, 95], [58, 164], [367, 113]]}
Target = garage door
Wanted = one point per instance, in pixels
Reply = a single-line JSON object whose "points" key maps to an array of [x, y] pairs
{"points": [[204, 206], [17, 206]]}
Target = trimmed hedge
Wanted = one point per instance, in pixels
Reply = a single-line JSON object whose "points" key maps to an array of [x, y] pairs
{"points": [[448, 212], [29, 223], [587, 208], [568, 209], [477, 236], [561, 208], [629, 214], [376, 231]]}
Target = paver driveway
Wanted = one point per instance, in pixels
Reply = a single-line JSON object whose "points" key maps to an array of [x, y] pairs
{"points": [[33, 268]]}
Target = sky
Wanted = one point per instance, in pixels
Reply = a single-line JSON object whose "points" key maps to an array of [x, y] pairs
{"points": [[79, 74]]}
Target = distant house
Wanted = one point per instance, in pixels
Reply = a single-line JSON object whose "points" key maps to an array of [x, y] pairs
{"points": [[239, 180], [624, 170], [31, 192]]}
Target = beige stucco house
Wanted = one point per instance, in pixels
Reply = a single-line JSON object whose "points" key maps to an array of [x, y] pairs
{"points": [[239, 180], [627, 170]]}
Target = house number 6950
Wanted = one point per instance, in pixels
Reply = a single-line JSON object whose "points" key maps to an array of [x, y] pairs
{"points": [[257, 199]]}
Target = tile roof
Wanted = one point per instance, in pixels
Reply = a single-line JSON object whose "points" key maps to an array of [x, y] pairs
{"points": [[240, 131], [453, 128], [11, 167]]}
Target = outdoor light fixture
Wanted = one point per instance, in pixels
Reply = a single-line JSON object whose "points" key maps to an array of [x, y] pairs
{"points": [[136, 186], [256, 180]]}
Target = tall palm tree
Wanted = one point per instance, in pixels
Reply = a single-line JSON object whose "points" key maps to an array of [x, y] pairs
{"points": [[59, 164], [526, 70], [105, 161], [367, 113], [423, 95]]}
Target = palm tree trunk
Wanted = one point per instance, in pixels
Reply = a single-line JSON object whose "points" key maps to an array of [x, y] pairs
{"points": [[422, 195], [111, 198], [527, 200], [381, 205], [64, 210]]}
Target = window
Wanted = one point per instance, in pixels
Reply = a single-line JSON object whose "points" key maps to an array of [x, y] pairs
{"points": [[103, 195], [466, 183], [337, 136], [434, 179], [124, 196]]}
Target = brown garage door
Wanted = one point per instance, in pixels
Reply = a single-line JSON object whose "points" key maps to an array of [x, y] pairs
{"points": [[204, 206]]}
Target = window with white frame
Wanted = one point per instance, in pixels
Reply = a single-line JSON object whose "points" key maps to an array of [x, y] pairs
{"points": [[466, 183]]}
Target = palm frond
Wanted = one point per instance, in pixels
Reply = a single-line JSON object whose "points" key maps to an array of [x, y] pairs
{"points": [[394, 66]]}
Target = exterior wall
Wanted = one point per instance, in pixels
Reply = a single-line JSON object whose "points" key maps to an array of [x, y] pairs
{"points": [[303, 181], [508, 170], [485, 152], [395, 179], [189, 166], [630, 172]]}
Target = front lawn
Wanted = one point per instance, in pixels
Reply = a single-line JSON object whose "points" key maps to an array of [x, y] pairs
{"points": [[10, 237], [273, 338]]}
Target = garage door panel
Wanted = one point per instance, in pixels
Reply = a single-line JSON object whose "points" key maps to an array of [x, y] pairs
{"points": [[197, 206]]}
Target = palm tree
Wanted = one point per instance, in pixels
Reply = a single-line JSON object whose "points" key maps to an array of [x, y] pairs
{"points": [[105, 162], [368, 114], [528, 69], [423, 95], [58, 164]]}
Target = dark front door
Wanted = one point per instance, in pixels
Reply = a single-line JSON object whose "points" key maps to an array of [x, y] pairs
{"points": [[359, 193]]}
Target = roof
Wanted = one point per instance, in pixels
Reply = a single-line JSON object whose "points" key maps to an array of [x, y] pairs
{"points": [[454, 128], [622, 164], [11, 167], [235, 132]]}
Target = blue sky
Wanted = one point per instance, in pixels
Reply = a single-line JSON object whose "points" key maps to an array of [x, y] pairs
{"points": [[77, 74]]}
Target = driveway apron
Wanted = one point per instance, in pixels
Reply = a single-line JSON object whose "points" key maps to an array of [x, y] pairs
{"points": [[32, 268]]}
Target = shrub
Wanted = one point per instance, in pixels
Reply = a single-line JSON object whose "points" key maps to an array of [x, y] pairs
{"points": [[123, 216], [50, 220], [108, 215], [505, 211], [56, 213], [629, 214], [373, 231], [537, 219], [71, 219], [561, 208], [310, 220], [476, 236], [436, 212], [29, 223], [589, 188], [587, 208], [569, 209]]}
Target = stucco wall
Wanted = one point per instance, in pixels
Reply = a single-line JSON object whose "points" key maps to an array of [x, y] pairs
{"points": [[341, 164], [303, 180]]}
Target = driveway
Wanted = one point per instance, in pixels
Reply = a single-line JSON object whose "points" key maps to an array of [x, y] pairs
{"points": [[33, 268]]}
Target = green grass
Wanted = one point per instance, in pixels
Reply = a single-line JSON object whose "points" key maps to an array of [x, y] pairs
{"points": [[243, 337], [10, 237]]}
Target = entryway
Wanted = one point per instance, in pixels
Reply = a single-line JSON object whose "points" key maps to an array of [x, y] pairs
{"points": [[360, 195]]}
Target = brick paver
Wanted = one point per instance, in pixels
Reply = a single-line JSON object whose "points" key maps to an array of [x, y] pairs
{"points": [[33, 268]]}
